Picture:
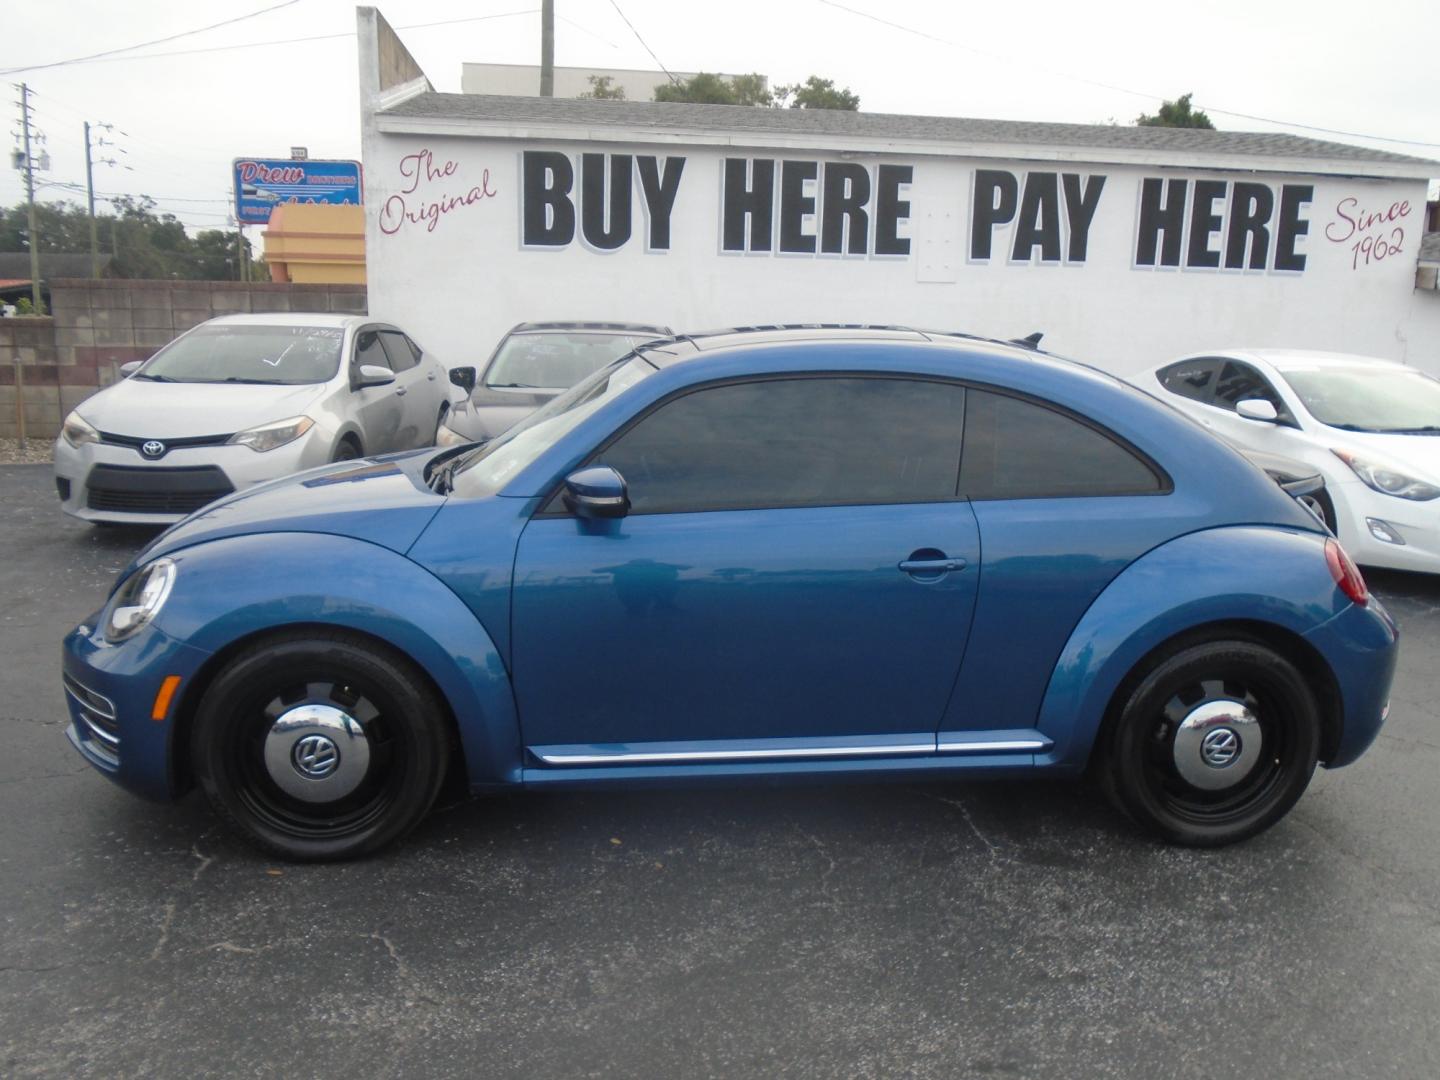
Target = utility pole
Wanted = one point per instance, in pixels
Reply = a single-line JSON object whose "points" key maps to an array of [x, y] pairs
{"points": [[34, 238], [547, 48], [90, 198]]}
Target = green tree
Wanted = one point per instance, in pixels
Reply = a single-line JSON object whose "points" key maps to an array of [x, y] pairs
{"points": [[701, 89], [1177, 114], [603, 87], [817, 93]]}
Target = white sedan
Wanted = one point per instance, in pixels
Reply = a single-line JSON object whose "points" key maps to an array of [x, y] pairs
{"points": [[240, 400], [1370, 427]]}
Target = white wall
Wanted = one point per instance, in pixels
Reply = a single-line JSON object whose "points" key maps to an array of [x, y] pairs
{"points": [[458, 276]]}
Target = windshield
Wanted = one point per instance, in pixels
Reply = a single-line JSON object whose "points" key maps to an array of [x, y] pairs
{"points": [[282, 355], [485, 470], [556, 360], [1367, 399]]}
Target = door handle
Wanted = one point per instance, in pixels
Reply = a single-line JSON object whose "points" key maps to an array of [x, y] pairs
{"points": [[931, 566], [430, 377], [401, 392]]}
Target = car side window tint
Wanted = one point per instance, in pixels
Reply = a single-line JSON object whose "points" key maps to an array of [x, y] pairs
{"points": [[794, 442], [1239, 382], [369, 350], [1193, 379], [1016, 449], [397, 348]]}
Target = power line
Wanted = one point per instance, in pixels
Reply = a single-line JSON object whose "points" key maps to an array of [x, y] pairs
{"points": [[640, 39], [1120, 89], [294, 40], [147, 44]]}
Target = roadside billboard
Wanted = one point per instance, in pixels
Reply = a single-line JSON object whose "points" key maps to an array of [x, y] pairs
{"points": [[261, 184]]}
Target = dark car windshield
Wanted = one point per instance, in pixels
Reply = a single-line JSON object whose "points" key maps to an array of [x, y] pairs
{"points": [[1368, 398], [283, 355], [558, 360], [487, 469]]}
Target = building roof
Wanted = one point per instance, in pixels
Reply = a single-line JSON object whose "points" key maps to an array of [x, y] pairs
{"points": [[15, 265], [830, 124]]}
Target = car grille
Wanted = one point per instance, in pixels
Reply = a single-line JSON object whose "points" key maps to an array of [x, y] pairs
{"points": [[120, 489], [95, 718], [136, 442]]}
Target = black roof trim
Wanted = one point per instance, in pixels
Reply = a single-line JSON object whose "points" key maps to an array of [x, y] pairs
{"points": [[609, 327]]}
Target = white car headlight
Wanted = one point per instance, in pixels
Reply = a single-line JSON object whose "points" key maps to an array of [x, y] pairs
{"points": [[1388, 481], [77, 431], [138, 600], [269, 436], [446, 436]]}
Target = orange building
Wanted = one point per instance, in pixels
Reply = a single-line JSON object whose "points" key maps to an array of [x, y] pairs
{"points": [[316, 244]]}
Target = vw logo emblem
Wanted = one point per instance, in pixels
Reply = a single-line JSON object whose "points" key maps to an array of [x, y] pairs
{"points": [[152, 448], [316, 756], [1220, 747]]}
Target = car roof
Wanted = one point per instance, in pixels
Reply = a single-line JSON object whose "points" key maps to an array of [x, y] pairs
{"points": [[1290, 359], [594, 327], [689, 346], [293, 318]]}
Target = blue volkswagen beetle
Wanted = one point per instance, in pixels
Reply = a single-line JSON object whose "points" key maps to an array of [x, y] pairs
{"points": [[781, 553]]}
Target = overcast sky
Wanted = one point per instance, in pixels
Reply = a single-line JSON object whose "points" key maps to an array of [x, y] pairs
{"points": [[1368, 68]]}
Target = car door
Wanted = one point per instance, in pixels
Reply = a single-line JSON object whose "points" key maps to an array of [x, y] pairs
{"points": [[418, 384], [795, 579], [379, 410]]}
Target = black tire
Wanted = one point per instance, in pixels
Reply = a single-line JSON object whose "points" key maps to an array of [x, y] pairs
{"points": [[1150, 755], [348, 450], [396, 778]]}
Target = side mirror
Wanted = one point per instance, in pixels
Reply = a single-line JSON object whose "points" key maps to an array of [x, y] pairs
{"points": [[129, 368], [463, 377], [373, 375], [596, 492], [1257, 409]]}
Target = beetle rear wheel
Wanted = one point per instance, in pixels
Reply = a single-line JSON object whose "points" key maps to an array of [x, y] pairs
{"points": [[1215, 744], [320, 746]]}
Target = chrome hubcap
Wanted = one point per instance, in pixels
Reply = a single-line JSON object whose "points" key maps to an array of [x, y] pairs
{"points": [[1217, 745], [317, 753]]}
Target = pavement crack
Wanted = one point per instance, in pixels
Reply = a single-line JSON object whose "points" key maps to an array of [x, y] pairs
{"points": [[993, 848], [205, 861], [819, 846], [164, 930]]}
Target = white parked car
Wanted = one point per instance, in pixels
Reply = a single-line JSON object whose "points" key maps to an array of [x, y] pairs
{"points": [[1370, 427], [243, 399]]}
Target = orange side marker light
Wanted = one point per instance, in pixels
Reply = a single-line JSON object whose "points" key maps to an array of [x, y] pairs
{"points": [[164, 697]]}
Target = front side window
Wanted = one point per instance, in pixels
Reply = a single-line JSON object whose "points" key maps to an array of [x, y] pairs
{"points": [[1241, 382], [1016, 449], [554, 361], [794, 442], [283, 355], [398, 349], [370, 350]]}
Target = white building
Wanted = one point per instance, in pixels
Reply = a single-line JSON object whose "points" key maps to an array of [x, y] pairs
{"points": [[1125, 245]]}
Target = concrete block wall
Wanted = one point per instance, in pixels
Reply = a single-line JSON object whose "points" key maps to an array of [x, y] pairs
{"points": [[96, 326]]}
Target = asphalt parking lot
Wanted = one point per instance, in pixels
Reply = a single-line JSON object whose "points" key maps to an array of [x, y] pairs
{"points": [[922, 930]]}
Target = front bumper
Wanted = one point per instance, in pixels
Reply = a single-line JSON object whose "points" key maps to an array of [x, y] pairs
{"points": [[1416, 524], [110, 483], [110, 693]]}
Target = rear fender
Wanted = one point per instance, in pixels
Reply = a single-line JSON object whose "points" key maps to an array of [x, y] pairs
{"points": [[1248, 574], [233, 589]]}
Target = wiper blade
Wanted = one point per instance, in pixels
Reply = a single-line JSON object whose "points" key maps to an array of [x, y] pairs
{"points": [[1427, 429], [515, 386], [249, 382], [151, 378]]}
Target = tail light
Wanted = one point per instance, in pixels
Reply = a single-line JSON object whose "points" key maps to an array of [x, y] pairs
{"points": [[1346, 573]]}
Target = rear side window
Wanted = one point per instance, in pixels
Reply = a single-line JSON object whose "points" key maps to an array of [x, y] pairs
{"points": [[1193, 379], [1016, 449], [794, 442], [398, 348]]}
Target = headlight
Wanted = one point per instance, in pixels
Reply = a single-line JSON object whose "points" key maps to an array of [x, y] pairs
{"points": [[1387, 481], [445, 436], [77, 432], [138, 600], [269, 436]]}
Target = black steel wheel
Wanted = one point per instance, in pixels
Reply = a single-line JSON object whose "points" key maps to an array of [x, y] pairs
{"points": [[1215, 744], [320, 745]]}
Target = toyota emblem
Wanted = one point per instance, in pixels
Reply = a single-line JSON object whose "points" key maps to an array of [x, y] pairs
{"points": [[152, 448]]}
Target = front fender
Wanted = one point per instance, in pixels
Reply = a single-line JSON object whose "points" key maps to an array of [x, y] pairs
{"points": [[230, 589], [1254, 574]]}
